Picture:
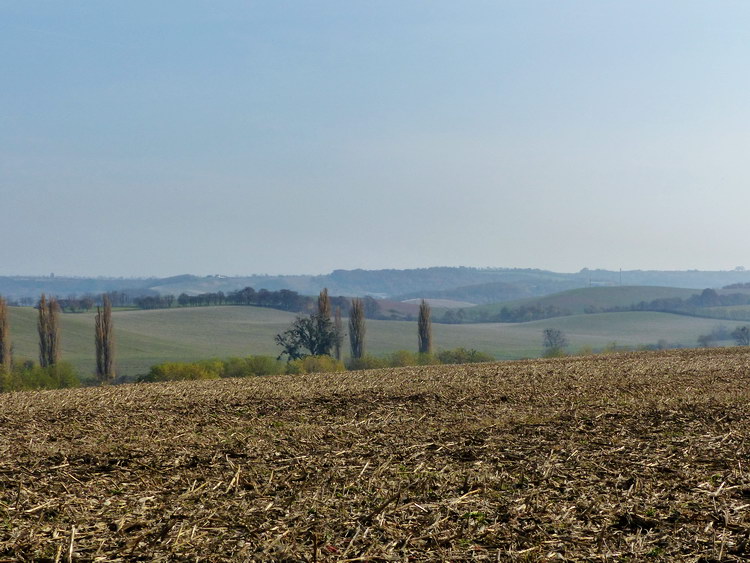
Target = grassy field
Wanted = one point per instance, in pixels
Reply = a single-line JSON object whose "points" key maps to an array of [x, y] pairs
{"points": [[639, 456], [145, 338], [733, 312], [577, 300]]}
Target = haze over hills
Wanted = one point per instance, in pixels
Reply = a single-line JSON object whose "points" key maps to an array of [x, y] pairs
{"points": [[474, 285]]}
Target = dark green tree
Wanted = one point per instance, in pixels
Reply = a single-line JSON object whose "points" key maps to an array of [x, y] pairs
{"points": [[315, 335]]}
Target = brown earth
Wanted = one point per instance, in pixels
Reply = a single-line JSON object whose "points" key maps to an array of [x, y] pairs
{"points": [[636, 456]]}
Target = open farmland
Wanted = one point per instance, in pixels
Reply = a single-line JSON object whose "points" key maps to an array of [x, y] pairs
{"points": [[578, 300], [633, 456], [145, 338]]}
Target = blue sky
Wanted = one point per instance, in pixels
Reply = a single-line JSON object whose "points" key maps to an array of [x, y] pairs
{"points": [[158, 138]]}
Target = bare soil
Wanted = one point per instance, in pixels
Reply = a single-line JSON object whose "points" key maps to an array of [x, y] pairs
{"points": [[609, 458]]}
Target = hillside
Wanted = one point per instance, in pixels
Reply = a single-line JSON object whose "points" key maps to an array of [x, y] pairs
{"points": [[626, 457], [577, 301], [144, 338], [475, 285]]}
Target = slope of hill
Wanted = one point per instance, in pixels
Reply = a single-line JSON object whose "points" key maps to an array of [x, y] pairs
{"points": [[144, 338], [628, 457], [476, 285], [580, 300]]}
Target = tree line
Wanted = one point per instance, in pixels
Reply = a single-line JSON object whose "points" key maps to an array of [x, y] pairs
{"points": [[313, 342], [283, 299], [321, 333], [520, 314], [51, 372]]}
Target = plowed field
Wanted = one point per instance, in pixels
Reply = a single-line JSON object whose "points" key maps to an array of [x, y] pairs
{"points": [[636, 456]]}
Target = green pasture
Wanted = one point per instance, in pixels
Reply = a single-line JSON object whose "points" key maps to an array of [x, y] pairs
{"points": [[145, 338], [578, 300]]}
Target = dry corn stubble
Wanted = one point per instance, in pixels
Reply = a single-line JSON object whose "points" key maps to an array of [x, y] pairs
{"points": [[606, 458]]}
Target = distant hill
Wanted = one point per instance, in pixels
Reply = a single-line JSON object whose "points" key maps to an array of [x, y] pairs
{"points": [[581, 300], [473, 285], [493, 292]]}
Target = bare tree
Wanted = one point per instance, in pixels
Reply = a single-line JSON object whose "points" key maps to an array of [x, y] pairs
{"points": [[338, 327], [48, 327], [357, 328], [5, 354], [105, 343], [324, 304], [741, 335], [424, 328], [554, 341]]}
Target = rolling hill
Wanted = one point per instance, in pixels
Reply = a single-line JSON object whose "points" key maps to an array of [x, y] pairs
{"points": [[475, 285], [145, 338], [576, 301]]}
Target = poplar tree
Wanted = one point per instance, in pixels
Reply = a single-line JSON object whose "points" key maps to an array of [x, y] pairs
{"points": [[105, 343], [424, 328], [325, 329], [48, 327], [357, 329], [339, 330], [324, 304], [5, 354]]}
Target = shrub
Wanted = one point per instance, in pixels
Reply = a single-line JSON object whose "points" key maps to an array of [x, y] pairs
{"points": [[265, 365], [179, 371], [367, 362], [402, 358], [29, 376], [235, 367], [252, 366], [427, 359], [463, 356], [314, 364], [554, 353]]}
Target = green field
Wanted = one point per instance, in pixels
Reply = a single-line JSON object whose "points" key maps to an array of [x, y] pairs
{"points": [[578, 300], [145, 338], [731, 312]]}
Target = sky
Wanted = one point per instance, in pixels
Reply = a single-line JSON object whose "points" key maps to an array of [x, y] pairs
{"points": [[146, 138]]}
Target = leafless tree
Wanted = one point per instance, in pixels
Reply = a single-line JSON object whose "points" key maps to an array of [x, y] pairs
{"points": [[48, 327], [105, 343], [5, 354], [324, 304], [741, 335], [554, 341], [424, 328], [357, 328], [338, 327]]}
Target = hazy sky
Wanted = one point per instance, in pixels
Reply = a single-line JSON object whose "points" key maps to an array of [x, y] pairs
{"points": [[238, 137]]}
